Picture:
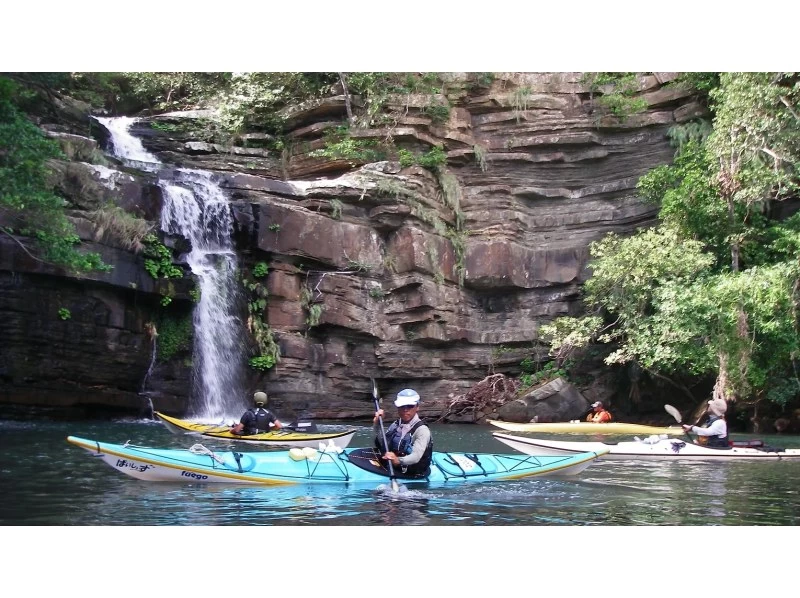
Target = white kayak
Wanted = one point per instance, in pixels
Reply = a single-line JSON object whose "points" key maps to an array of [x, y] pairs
{"points": [[586, 428], [655, 448]]}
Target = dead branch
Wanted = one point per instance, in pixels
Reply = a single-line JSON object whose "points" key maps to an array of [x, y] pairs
{"points": [[484, 397]]}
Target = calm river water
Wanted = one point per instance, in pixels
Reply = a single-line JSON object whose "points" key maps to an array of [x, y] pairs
{"points": [[137, 539], [47, 481]]}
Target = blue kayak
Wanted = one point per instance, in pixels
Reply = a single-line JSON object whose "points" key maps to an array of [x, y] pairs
{"points": [[329, 465]]}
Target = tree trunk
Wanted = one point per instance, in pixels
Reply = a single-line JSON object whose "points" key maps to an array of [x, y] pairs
{"points": [[348, 106]]}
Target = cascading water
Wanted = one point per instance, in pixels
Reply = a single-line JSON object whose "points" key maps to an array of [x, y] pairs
{"points": [[196, 208], [125, 146], [143, 391]]}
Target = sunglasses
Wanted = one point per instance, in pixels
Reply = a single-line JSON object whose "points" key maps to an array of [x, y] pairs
{"points": [[406, 407]]}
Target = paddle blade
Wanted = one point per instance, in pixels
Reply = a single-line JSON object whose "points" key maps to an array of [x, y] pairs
{"points": [[374, 390], [674, 413]]}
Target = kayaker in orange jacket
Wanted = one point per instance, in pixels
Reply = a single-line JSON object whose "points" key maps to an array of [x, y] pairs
{"points": [[598, 415]]}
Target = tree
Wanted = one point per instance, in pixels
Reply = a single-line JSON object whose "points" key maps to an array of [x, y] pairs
{"points": [[713, 290]]}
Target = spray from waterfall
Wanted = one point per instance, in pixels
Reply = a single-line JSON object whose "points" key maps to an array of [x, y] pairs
{"points": [[196, 208]]}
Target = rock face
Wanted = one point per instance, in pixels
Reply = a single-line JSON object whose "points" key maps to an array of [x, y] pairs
{"points": [[418, 279], [555, 401]]}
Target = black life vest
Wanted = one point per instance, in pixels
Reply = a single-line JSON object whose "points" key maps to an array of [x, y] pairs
{"points": [[716, 440], [403, 446], [259, 420]]}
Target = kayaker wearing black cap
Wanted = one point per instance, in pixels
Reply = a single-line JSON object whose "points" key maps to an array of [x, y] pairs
{"points": [[409, 442], [257, 419], [715, 432], [599, 415]]}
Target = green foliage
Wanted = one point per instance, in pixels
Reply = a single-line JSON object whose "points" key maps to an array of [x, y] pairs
{"points": [[696, 131], [339, 145], [30, 210], [756, 138], [195, 295], [532, 376], [274, 227], [178, 91], [314, 314], [158, 259], [690, 203], [439, 113], [377, 293], [406, 157], [64, 313], [480, 157], [618, 92], [255, 101], [433, 159], [175, 334], [479, 80], [262, 362], [519, 101], [260, 270], [314, 310]]}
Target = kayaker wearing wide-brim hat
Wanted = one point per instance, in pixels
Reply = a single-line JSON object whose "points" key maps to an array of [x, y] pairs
{"points": [[257, 419], [715, 432], [408, 439]]}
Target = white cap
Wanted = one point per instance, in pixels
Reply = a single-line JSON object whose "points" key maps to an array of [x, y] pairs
{"points": [[597, 404], [406, 397]]}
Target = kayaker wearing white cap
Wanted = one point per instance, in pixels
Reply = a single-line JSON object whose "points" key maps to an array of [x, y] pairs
{"points": [[715, 432], [409, 442], [598, 414]]}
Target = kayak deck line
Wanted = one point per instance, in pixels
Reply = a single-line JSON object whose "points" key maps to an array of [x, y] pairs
{"points": [[583, 427], [186, 466], [281, 437], [332, 465], [668, 449]]}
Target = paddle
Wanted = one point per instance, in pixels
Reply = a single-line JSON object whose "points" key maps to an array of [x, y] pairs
{"points": [[383, 434], [678, 418]]}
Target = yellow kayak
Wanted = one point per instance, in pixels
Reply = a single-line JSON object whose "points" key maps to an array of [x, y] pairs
{"points": [[585, 428], [283, 437]]}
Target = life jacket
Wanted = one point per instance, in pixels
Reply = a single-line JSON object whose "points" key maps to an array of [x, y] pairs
{"points": [[403, 446], [260, 420], [599, 417], [716, 440]]}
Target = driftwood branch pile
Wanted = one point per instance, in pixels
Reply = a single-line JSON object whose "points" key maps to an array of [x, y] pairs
{"points": [[482, 399]]}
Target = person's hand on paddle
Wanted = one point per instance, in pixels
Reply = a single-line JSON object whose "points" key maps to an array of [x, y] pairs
{"points": [[378, 415], [686, 427], [390, 456]]}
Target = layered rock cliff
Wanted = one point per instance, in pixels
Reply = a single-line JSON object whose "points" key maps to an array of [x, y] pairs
{"points": [[428, 279]]}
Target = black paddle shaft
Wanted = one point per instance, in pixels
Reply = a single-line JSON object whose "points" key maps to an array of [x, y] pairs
{"points": [[383, 433]]}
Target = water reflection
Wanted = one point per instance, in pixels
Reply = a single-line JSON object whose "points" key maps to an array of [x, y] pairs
{"points": [[48, 482]]}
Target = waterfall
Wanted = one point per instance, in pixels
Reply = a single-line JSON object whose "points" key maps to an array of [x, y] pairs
{"points": [[125, 146], [143, 391], [196, 208]]}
